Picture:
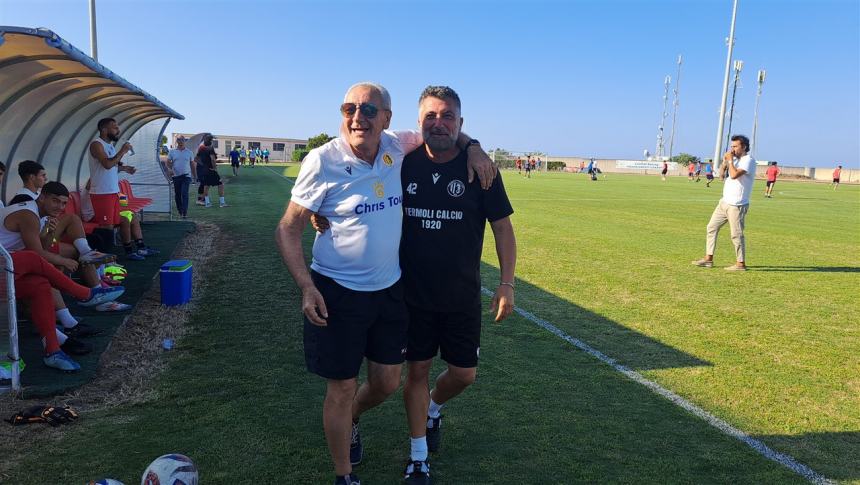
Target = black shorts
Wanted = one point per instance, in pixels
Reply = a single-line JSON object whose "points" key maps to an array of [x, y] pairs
{"points": [[235, 164], [770, 183], [835, 181], [709, 176], [456, 334], [664, 172], [211, 178], [361, 324]]}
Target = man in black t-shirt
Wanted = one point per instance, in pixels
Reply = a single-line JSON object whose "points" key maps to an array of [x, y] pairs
{"points": [[443, 235], [207, 172]]}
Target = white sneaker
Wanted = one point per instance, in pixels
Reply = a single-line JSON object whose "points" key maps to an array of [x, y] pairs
{"points": [[199, 202], [223, 204], [207, 205]]}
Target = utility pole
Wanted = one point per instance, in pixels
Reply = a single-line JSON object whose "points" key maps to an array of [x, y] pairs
{"points": [[675, 103], [660, 145], [730, 42], [739, 65], [94, 43], [761, 76]]}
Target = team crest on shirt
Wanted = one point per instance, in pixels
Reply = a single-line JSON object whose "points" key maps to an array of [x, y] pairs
{"points": [[435, 178], [349, 169], [456, 188], [379, 189], [388, 160]]}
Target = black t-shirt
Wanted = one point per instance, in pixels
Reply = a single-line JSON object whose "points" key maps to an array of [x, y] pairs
{"points": [[443, 231], [205, 157]]}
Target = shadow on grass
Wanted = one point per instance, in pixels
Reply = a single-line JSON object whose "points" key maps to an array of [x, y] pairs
{"points": [[628, 347], [836, 450], [814, 269]]}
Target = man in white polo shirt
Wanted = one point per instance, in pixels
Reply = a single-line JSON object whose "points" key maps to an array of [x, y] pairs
{"points": [[352, 299], [179, 167], [734, 204]]}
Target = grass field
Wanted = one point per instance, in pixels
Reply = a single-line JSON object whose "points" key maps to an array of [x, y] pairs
{"points": [[774, 352]]}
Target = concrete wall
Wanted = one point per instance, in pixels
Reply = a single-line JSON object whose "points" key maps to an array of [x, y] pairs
{"points": [[850, 176]]}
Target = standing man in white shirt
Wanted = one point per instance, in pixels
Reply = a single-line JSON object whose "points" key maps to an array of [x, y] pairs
{"points": [[352, 299], [179, 168], [734, 204], [105, 165]]}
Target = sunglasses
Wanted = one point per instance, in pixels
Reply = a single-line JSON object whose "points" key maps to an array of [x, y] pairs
{"points": [[368, 110]]}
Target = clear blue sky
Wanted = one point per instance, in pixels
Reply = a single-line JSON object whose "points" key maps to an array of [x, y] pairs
{"points": [[564, 77]]}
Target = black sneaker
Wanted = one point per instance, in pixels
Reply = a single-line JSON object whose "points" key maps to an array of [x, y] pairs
{"points": [[356, 451], [350, 479], [81, 330], [434, 433], [74, 346], [417, 473]]}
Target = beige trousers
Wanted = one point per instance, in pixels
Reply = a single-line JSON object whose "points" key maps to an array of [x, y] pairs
{"points": [[734, 215]]}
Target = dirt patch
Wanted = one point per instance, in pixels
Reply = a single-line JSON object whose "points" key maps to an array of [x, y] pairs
{"points": [[128, 367]]}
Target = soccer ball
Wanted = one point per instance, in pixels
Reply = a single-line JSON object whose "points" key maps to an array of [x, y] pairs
{"points": [[107, 481], [172, 469]]}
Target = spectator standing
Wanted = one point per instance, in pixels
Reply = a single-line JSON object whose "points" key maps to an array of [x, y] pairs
{"points": [[733, 206], [179, 169]]}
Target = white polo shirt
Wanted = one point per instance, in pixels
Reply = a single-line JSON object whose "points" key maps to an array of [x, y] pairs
{"points": [[737, 191], [103, 180], [363, 205], [181, 161]]}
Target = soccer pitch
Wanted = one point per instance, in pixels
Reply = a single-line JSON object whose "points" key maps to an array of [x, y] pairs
{"points": [[773, 352]]}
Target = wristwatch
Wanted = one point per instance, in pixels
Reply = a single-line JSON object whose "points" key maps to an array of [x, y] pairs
{"points": [[473, 141]]}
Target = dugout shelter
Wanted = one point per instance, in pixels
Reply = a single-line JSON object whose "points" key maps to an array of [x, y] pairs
{"points": [[51, 98]]}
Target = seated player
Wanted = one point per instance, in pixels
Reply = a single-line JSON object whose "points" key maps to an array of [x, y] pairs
{"points": [[129, 224]]}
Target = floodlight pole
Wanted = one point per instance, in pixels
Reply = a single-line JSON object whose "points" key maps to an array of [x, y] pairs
{"points": [[675, 103], [94, 43], [660, 144], [731, 44], [739, 65], [761, 76]]}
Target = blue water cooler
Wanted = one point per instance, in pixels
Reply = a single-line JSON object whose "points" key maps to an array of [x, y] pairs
{"points": [[176, 282]]}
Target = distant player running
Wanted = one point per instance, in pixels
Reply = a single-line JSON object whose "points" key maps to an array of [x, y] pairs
{"points": [[772, 173], [836, 176], [709, 174]]}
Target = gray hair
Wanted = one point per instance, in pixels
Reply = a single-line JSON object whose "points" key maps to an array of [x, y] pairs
{"points": [[379, 88], [440, 92]]}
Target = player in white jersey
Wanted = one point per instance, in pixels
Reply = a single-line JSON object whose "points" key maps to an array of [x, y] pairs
{"points": [[352, 299], [105, 163]]}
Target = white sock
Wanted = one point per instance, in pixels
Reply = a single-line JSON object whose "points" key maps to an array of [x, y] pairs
{"points": [[82, 246], [206, 200], [434, 410], [61, 337], [221, 200], [66, 319], [419, 448]]}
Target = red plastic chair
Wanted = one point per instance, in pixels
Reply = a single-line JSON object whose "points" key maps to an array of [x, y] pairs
{"points": [[74, 207], [134, 203]]}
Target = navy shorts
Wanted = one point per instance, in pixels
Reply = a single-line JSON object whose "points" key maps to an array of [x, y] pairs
{"points": [[361, 324], [455, 335]]}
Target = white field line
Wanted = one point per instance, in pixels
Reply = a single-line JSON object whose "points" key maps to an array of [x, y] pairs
{"points": [[761, 448], [281, 175]]}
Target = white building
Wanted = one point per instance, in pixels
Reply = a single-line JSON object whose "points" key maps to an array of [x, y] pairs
{"points": [[280, 149]]}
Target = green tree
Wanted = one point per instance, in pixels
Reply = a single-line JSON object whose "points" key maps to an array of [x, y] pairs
{"points": [[313, 142], [685, 159], [164, 139]]}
